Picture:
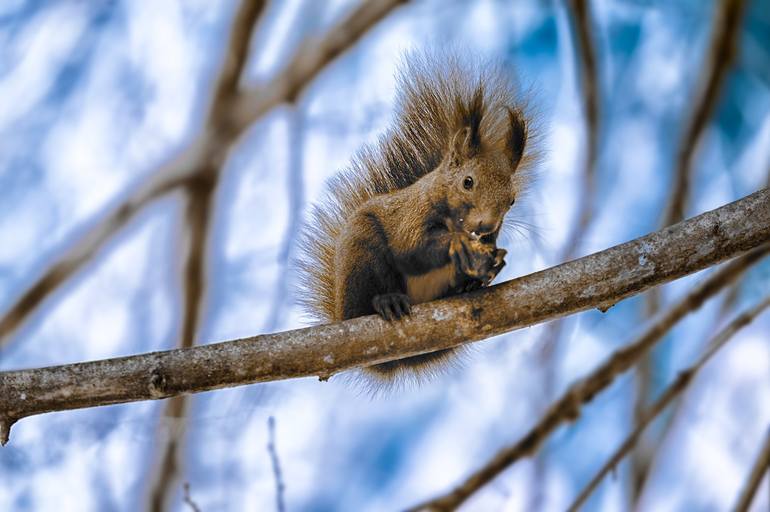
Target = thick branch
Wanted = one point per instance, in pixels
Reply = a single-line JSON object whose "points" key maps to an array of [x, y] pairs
{"points": [[567, 408], [679, 385], [218, 135], [596, 281]]}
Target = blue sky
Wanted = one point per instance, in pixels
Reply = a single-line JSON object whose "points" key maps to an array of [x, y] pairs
{"points": [[96, 96]]}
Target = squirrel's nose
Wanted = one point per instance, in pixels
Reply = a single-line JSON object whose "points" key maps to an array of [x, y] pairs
{"points": [[484, 228]]}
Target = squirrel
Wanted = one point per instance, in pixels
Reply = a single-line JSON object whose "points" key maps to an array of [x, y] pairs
{"points": [[416, 216]]}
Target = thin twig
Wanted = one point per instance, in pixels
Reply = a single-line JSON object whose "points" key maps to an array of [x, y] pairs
{"points": [[760, 467], [679, 385], [216, 138], [589, 80], [188, 499], [295, 185], [567, 408], [598, 280], [276, 464], [722, 50]]}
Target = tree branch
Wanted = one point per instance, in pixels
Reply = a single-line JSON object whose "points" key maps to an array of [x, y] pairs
{"points": [[760, 467], [598, 280], [681, 383], [589, 80], [209, 148], [722, 49], [567, 408], [311, 57], [586, 66], [276, 465], [200, 198]]}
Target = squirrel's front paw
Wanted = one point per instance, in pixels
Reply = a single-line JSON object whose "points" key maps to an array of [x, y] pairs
{"points": [[476, 259], [497, 265], [392, 306]]}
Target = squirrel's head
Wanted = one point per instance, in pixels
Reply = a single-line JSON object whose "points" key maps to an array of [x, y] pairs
{"points": [[480, 174]]}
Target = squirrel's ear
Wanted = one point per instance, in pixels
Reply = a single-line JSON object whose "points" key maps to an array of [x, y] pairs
{"points": [[517, 136], [465, 144]]}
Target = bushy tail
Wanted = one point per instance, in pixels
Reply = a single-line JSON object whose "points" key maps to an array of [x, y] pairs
{"points": [[438, 94]]}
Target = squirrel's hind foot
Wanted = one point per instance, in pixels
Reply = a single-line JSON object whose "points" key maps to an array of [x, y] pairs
{"points": [[392, 306]]}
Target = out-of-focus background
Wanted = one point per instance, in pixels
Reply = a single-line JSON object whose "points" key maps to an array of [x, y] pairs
{"points": [[96, 96]]}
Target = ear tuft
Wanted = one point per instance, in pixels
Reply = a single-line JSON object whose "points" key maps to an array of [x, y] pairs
{"points": [[457, 149], [466, 142], [517, 136]]}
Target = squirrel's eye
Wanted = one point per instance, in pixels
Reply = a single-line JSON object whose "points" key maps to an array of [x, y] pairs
{"points": [[513, 201], [468, 183]]}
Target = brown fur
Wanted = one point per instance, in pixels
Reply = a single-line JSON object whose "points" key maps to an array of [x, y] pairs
{"points": [[400, 226]]}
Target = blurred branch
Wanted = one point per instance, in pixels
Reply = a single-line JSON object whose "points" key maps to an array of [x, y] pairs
{"points": [[589, 80], [595, 281], [200, 197], [276, 464], [585, 62], [722, 51], [295, 186], [311, 57], [671, 420], [760, 467], [231, 118], [198, 216], [188, 499], [296, 121], [667, 397], [717, 62], [567, 408]]}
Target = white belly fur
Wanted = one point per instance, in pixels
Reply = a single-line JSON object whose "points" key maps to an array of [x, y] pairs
{"points": [[430, 285]]}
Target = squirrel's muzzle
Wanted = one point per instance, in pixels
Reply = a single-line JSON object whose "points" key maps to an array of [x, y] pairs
{"points": [[483, 228]]}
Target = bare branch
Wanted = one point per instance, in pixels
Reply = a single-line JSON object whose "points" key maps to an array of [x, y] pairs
{"points": [[567, 408], [585, 62], [200, 197], [589, 79], [209, 148], [722, 51], [188, 499], [312, 56], [244, 25], [760, 467], [598, 280], [644, 461], [295, 187], [681, 383], [193, 282], [279, 485]]}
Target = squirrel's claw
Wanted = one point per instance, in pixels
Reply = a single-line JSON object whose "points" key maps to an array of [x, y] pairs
{"points": [[497, 266], [472, 285], [392, 306]]}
